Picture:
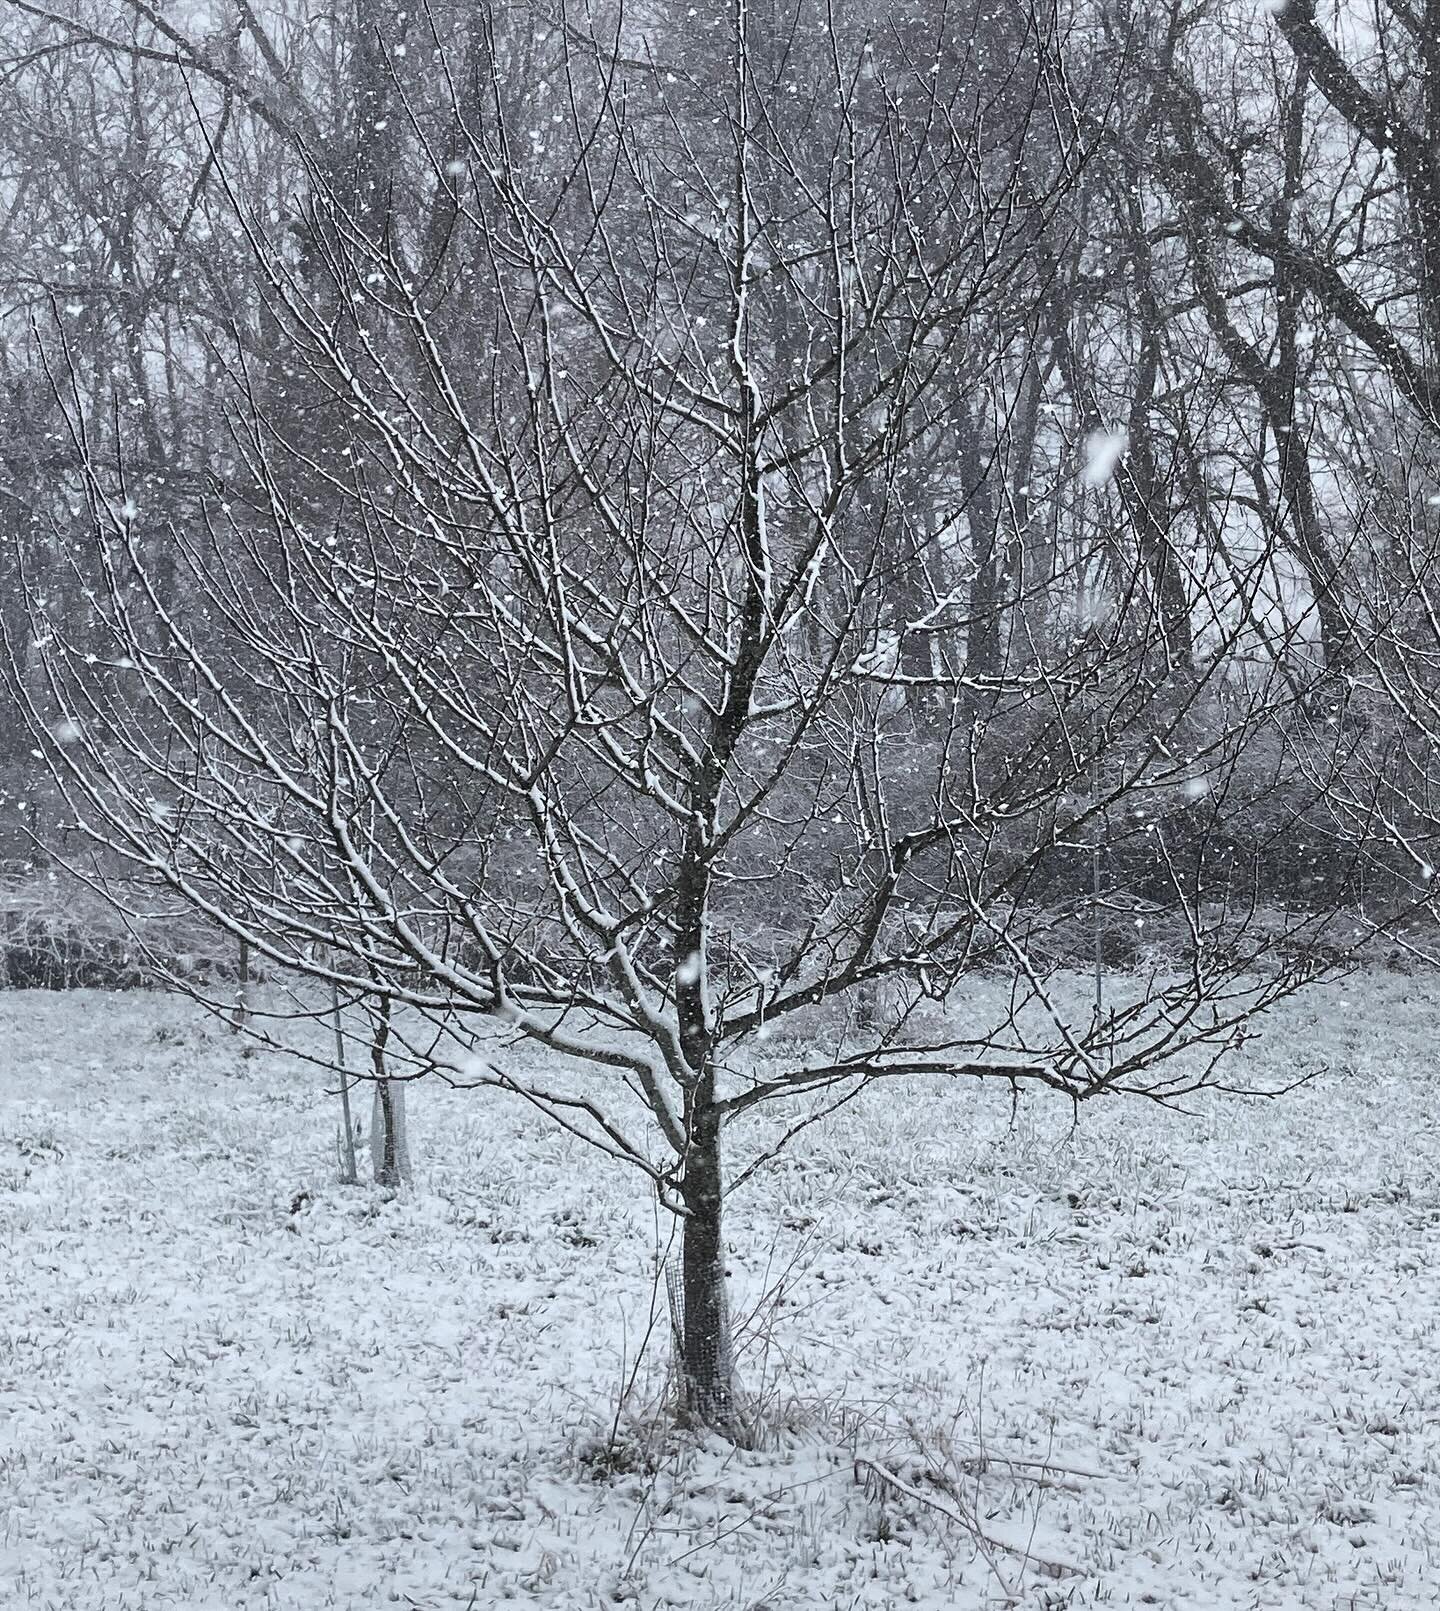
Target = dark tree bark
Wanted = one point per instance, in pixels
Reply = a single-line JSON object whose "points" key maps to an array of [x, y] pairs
{"points": [[707, 1349], [982, 512], [1143, 489], [1297, 514]]}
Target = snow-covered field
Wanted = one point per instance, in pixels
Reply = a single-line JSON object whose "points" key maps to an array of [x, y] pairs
{"points": [[1207, 1343]]}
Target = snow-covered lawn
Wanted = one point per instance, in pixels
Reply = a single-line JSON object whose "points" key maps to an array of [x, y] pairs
{"points": [[1219, 1330]]}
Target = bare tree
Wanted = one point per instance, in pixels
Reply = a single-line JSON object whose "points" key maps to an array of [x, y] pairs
{"points": [[561, 687]]}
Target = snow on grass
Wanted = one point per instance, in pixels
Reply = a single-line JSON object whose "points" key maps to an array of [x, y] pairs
{"points": [[1213, 1336]]}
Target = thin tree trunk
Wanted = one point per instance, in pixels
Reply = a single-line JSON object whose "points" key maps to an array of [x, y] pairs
{"points": [[389, 1146], [349, 1175], [707, 1348], [1020, 571], [387, 1122], [983, 634], [241, 1015]]}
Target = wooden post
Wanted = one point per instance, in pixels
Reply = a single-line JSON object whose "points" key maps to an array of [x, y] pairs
{"points": [[241, 1015]]}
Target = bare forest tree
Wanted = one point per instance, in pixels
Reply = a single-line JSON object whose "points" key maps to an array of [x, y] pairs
{"points": [[720, 538], [1299, 152]]}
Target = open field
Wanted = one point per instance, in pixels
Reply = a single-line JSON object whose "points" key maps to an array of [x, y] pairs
{"points": [[1221, 1332]]}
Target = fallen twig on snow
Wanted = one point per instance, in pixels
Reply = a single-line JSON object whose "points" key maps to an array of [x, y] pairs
{"points": [[966, 1519]]}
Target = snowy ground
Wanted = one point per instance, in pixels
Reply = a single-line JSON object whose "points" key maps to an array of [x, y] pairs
{"points": [[1220, 1331]]}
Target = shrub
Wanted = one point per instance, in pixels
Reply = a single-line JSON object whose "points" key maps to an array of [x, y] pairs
{"points": [[56, 935]]}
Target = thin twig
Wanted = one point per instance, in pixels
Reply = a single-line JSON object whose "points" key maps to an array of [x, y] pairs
{"points": [[1049, 1566]]}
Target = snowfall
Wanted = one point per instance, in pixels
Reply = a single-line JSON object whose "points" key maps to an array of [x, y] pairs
{"points": [[992, 1355]]}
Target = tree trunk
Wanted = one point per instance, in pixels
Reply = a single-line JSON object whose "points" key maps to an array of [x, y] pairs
{"points": [[983, 636], [241, 1016], [348, 1173], [707, 1363], [389, 1145]]}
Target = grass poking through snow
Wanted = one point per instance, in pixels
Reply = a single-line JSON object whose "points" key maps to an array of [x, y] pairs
{"points": [[1158, 1360]]}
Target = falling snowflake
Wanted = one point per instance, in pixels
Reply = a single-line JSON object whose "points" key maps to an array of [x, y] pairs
{"points": [[1103, 452]]}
